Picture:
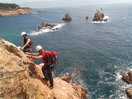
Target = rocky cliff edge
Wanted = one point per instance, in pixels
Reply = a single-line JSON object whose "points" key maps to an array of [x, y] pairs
{"points": [[15, 82]]}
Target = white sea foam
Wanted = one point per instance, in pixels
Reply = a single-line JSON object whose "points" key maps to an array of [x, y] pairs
{"points": [[46, 30], [118, 76], [105, 17], [113, 79]]}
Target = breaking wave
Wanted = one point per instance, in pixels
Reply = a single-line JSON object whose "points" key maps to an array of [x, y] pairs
{"points": [[47, 29], [114, 79]]}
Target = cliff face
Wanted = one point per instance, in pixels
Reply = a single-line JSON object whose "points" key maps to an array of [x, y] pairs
{"points": [[12, 9], [15, 82]]}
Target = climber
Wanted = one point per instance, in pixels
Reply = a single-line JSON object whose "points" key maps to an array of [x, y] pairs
{"points": [[27, 43], [49, 59]]}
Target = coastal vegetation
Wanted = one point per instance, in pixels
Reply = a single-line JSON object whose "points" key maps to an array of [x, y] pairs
{"points": [[6, 6]]}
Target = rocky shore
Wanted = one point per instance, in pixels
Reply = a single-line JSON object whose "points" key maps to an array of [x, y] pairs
{"points": [[13, 9], [16, 83], [128, 79], [15, 12]]}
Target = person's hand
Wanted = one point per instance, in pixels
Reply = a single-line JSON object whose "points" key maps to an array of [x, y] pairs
{"points": [[22, 48], [29, 56]]}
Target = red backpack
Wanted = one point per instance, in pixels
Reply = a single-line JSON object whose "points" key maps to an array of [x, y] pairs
{"points": [[31, 43], [51, 57]]}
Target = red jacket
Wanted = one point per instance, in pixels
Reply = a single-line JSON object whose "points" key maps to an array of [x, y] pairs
{"points": [[44, 55]]}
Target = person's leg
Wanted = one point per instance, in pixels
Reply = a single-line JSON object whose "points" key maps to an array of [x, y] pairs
{"points": [[44, 70], [50, 78]]}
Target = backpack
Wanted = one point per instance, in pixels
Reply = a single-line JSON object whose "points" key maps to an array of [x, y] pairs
{"points": [[51, 57], [31, 43]]}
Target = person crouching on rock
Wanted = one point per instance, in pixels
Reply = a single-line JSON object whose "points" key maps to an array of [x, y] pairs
{"points": [[27, 43], [49, 59]]}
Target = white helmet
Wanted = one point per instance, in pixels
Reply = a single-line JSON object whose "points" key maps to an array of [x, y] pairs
{"points": [[23, 33], [39, 47]]}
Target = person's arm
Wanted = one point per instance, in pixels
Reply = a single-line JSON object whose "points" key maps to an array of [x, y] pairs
{"points": [[22, 44], [28, 41], [34, 54], [35, 57]]}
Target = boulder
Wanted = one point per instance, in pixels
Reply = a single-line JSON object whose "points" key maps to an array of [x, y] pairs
{"points": [[67, 17], [16, 83], [98, 16], [129, 93], [67, 78], [126, 79], [130, 75], [44, 24]]}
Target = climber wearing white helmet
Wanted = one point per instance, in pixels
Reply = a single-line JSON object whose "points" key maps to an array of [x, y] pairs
{"points": [[27, 43], [49, 59]]}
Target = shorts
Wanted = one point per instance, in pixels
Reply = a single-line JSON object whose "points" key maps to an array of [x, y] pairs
{"points": [[27, 50]]}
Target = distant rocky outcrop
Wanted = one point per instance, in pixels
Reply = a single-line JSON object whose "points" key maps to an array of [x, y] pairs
{"points": [[67, 17], [16, 83], [128, 79], [13, 9], [43, 25], [98, 16], [40, 10]]}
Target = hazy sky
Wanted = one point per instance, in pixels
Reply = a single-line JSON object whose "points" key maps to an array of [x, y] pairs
{"points": [[61, 3]]}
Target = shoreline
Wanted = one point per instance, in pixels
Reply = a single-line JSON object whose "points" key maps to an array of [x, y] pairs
{"points": [[13, 12]]}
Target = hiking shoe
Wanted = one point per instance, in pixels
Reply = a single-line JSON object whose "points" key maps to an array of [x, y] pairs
{"points": [[51, 87], [45, 79]]}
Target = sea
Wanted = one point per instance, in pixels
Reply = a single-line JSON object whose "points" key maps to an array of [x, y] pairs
{"points": [[95, 53]]}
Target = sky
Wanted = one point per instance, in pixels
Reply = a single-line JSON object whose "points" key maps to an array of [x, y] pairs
{"points": [[61, 3]]}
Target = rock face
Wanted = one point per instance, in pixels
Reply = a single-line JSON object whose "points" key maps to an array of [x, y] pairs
{"points": [[128, 79], [43, 25], [12, 9], [98, 16], [15, 82], [67, 17]]}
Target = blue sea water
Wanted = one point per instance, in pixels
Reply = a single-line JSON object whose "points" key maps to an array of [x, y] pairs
{"points": [[95, 53]]}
